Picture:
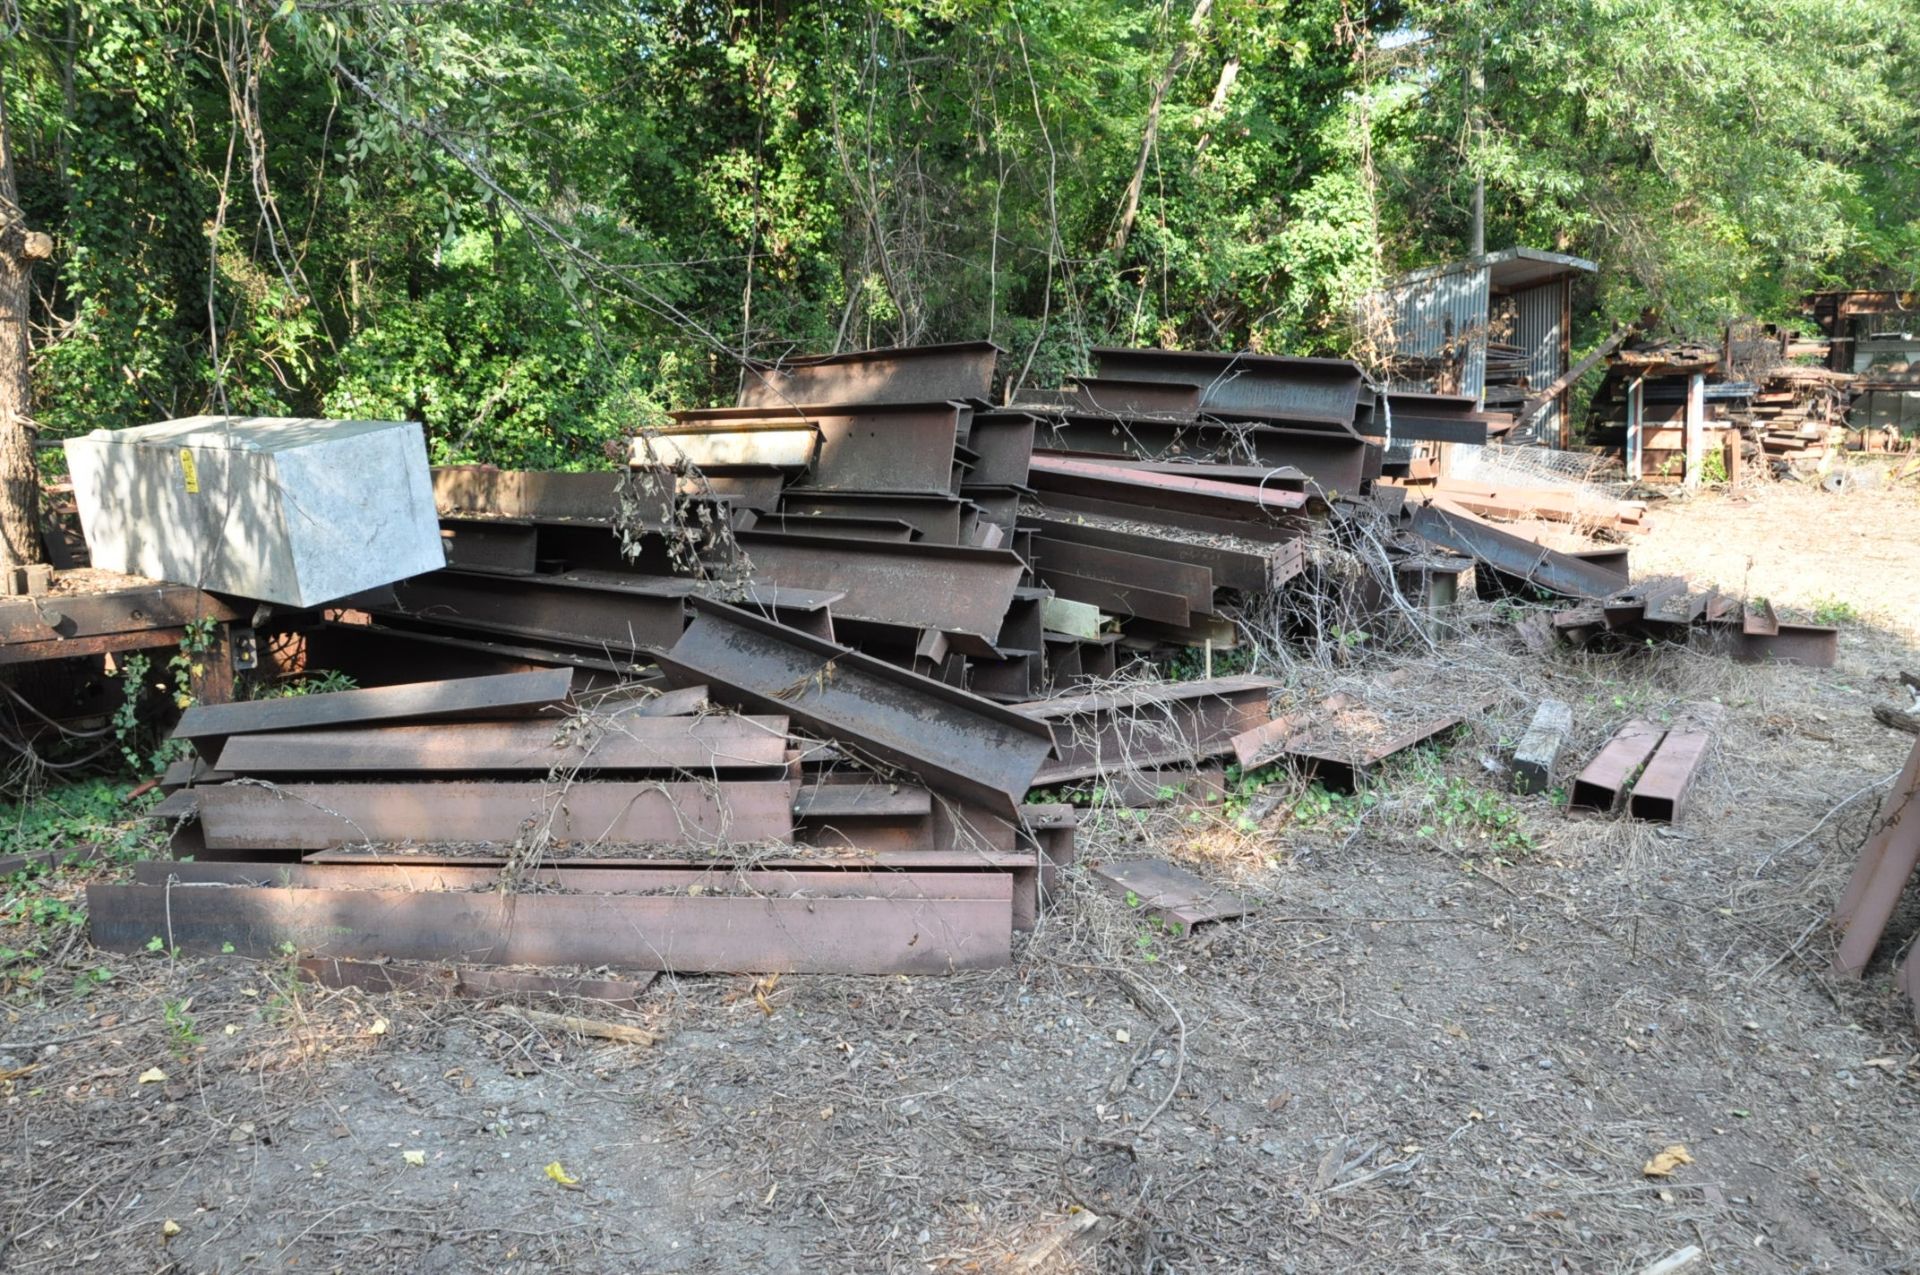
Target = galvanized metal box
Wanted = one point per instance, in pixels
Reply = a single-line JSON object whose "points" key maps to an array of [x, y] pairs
{"points": [[279, 509]]}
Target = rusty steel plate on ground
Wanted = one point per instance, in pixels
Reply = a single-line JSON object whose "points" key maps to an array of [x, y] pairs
{"points": [[1179, 898]]}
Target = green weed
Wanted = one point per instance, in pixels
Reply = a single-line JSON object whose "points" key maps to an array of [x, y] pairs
{"points": [[182, 1035], [1834, 611], [1475, 820], [324, 682]]}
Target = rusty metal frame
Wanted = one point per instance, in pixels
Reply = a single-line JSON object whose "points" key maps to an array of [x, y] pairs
{"points": [[708, 744], [500, 695], [970, 929], [1231, 568], [957, 743], [1606, 779], [318, 816], [1660, 792], [1160, 725], [597, 609], [1514, 555], [1325, 391], [1155, 490], [939, 519], [952, 588], [961, 370]]}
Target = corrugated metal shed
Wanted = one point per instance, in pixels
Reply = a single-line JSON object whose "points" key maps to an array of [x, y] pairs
{"points": [[1442, 318], [1539, 328]]}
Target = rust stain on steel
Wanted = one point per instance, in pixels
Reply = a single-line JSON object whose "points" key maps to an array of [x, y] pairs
{"points": [[1134, 601], [839, 526], [827, 881], [749, 443], [1353, 762], [524, 493], [711, 934], [1661, 790], [960, 371], [1759, 621], [633, 742], [953, 588], [319, 815], [1061, 503], [1607, 777], [1231, 568], [955, 742], [1170, 400], [506, 546], [1003, 442], [1336, 462], [1809, 645], [879, 447]]}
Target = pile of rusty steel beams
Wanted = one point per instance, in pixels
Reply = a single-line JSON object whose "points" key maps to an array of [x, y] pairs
{"points": [[880, 500], [780, 804]]}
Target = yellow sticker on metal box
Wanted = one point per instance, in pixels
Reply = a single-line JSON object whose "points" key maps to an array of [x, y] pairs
{"points": [[189, 472]]}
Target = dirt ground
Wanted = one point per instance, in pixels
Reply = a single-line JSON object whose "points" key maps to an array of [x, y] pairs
{"points": [[1455, 1030]]}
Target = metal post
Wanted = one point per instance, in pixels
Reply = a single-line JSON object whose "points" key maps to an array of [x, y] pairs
{"points": [[1635, 418], [1694, 431]]}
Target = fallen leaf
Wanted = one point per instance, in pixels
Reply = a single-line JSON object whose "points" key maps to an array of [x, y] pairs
{"points": [[152, 1076], [379, 1027], [169, 1229], [415, 1158], [560, 1175], [1663, 1165]]}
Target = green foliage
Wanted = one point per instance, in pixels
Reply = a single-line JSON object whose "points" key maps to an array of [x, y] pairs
{"points": [[535, 227], [1474, 821], [322, 682], [1713, 466], [1834, 611], [182, 1035], [92, 812], [1189, 664]]}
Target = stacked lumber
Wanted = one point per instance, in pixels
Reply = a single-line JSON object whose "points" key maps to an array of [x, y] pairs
{"points": [[507, 820], [1771, 409]]}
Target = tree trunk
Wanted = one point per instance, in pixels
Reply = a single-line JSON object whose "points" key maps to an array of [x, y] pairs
{"points": [[20, 248], [1130, 205]]}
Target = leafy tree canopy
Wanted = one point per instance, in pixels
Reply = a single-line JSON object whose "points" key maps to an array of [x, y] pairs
{"points": [[533, 226]]}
